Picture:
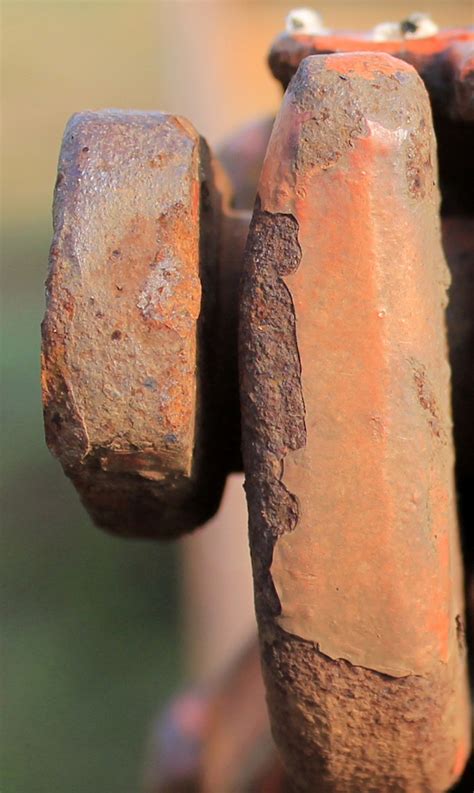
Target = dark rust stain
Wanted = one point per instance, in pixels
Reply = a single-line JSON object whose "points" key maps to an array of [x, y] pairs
{"points": [[427, 398], [271, 396], [460, 632]]}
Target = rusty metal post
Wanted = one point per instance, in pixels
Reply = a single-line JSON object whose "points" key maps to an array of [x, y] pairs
{"points": [[347, 437]]}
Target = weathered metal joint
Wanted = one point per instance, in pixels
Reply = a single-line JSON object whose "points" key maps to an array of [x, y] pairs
{"points": [[136, 303], [345, 384]]}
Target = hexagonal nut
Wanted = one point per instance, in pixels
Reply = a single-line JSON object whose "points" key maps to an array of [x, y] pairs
{"points": [[128, 381]]}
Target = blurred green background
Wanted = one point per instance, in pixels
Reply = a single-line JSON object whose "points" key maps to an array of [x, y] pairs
{"points": [[91, 643]]}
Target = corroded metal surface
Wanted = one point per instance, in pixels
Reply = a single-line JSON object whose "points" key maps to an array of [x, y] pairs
{"points": [[344, 384], [125, 348], [444, 61], [347, 437]]}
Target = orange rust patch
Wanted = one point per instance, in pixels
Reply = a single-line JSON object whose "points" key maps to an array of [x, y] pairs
{"points": [[376, 525], [366, 64]]}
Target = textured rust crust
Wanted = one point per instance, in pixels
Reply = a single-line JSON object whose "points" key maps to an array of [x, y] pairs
{"points": [[347, 198], [444, 61], [129, 378]]}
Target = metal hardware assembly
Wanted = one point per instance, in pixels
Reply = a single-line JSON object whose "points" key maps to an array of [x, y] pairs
{"points": [[345, 381]]}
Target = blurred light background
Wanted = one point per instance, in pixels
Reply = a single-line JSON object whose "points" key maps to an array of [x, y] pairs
{"points": [[96, 633]]}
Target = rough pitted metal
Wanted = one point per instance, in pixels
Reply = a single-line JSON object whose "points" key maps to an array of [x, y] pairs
{"points": [[127, 347], [347, 437]]}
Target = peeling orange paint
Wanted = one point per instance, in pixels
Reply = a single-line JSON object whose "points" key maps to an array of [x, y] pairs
{"points": [[376, 526]]}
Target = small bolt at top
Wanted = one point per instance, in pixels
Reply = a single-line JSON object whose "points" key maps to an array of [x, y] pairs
{"points": [[305, 20], [416, 26]]}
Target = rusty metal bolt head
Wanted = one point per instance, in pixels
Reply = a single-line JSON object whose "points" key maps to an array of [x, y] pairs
{"points": [[129, 363]]}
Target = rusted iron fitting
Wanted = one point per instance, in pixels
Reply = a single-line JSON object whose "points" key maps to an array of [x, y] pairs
{"points": [[139, 349], [344, 377]]}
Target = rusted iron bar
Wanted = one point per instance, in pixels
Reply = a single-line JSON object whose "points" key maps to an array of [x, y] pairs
{"points": [[347, 437]]}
